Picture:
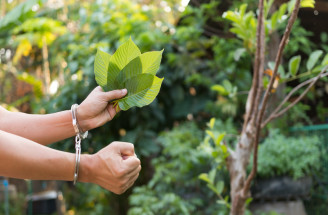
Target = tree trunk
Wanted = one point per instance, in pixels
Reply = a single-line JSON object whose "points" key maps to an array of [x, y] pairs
{"points": [[237, 164]]}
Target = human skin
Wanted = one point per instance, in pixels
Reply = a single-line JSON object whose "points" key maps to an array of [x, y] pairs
{"points": [[45, 129], [23, 154]]}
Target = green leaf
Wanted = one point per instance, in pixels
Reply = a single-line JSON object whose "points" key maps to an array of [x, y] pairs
{"points": [[123, 55], [248, 201], [274, 20], [211, 175], [224, 149], [101, 68], [219, 139], [204, 177], [146, 63], [227, 85], [325, 60], [211, 123], [314, 57], [294, 65], [211, 186], [211, 134], [230, 16], [220, 89], [281, 70], [127, 68], [307, 3], [221, 202], [219, 186], [242, 10], [142, 90]]}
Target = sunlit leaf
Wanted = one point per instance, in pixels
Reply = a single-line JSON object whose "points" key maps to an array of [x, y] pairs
{"points": [[220, 89], [294, 65], [142, 90], [127, 68], [148, 62], [308, 3], [101, 68], [325, 60], [211, 134], [123, 55], [219, 139], [23, 49], [211, 123], [204, 177]]}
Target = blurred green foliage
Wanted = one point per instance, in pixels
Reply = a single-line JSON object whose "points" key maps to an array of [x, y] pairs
{"points": [[207, 74], [175, 187], [293, 156]]}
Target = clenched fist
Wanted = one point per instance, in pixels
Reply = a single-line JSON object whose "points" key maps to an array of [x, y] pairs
{"points": [[115, 167]]}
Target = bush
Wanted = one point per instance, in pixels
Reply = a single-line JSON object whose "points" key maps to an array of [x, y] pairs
{"points": [[292, 156], [175, 187]]}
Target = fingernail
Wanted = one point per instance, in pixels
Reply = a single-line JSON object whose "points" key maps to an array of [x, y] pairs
{"points": [[124, 91]]}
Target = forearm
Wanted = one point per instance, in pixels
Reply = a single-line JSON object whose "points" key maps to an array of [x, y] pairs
{"points": [[25, 159], [43, 129]]}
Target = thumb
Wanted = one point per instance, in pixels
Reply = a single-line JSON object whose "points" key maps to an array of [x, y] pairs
{"points": [[115, 94]]}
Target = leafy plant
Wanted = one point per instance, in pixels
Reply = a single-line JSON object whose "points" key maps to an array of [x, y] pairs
{"points": [[130, 69], [175, 187], [293, 156], [219, 134], [244, 23]]}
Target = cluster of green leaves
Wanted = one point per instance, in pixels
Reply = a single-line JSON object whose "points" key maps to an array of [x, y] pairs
{"points": [[19, 14], [293, 156], [245, 23], [175, 187], [95, 203], [129, 69], [219, 135]]}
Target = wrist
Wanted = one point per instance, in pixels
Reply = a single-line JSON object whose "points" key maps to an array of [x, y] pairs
{"points": [[83, 122], [86, 168], [76, 125]]}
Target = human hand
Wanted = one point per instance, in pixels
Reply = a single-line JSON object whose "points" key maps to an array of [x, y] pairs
{"points": [[115, 167], [96, 109]]}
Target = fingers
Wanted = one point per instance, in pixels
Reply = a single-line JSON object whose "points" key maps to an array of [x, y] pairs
{"points": [[115, 94], [131, 181], [126, 149], [132, 164], [134, 172], [112, 111]]}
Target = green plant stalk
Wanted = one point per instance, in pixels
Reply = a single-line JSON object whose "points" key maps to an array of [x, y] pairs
{"points": [[298, 76]]}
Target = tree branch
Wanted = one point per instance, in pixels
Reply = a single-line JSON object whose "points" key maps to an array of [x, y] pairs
{"points": [[282, 45], [278, 112], [256, 70]]}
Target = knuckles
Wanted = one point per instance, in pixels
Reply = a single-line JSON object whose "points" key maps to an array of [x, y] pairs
{"points": [[119, 172]]}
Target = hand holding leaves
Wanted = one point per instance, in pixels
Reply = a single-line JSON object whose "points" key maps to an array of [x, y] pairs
{"points": [[128, 68]]}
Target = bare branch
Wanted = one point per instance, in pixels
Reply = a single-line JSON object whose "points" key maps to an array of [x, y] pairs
{"points": [[267, 93], [257, 77], [256, 70], [278, 112]]}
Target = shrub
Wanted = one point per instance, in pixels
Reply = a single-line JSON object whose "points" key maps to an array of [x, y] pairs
{"points": [[293, 156]]}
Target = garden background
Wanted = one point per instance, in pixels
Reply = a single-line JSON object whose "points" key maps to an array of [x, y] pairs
{"points": [[47, 52]]}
